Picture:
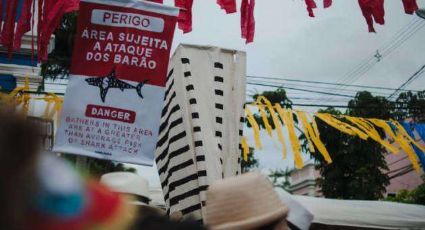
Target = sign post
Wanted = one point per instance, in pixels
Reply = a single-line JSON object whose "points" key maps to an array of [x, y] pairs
{"points": [[113, 102]]}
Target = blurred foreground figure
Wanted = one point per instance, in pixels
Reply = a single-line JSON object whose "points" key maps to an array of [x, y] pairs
{"points": [[136, 189], [42, 192], [18, 154], [245, 202]]}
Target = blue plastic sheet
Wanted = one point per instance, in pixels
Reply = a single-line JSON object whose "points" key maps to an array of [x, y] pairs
{"points": [[421, 155]]}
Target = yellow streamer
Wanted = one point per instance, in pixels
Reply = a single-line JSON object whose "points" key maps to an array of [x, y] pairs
{"points": [[314, 134], [370, 130], [255, 127], [276, 123], [265, 120], [307, 130], [288, 119], [26, 97], [341, 126], [407, 136], [388, 130], [245, 149]]}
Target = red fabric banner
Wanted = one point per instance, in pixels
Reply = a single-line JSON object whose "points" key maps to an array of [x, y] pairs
{"points": [[1, 13], [24, 23], [311, 4], [410, 6], [53, 12], [8, 31], [228, 5], [373, 11], [51, 16], [327, 3], [184, 19], [71, 5], [248, 20]]}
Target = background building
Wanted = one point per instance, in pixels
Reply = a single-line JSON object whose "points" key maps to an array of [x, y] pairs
{"points": [[303, 181]]}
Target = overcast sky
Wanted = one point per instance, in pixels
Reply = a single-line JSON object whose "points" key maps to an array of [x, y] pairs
{"points": [[289, 44]]}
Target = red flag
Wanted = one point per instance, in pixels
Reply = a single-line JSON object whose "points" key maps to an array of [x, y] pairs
{"points": [[378, 11], [51, 16], [40, 22], [373, 10], [157, 1], [311, 4], [9, 26], [327, 3], [228, 5], [184, 19], [410, 6], [367, 14], [53, 12], [1, 13], [244, 17], [24, 23], [71, 5], [248, 20]]}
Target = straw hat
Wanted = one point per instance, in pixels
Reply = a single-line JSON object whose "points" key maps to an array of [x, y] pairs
{"points": [[243, 202], [128, 183]]}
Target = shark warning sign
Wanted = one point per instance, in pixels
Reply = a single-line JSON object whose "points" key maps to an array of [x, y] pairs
{"points": [[115, 94]]}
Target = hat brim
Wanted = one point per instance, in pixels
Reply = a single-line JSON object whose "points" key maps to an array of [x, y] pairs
{"points": [[254, 222]]}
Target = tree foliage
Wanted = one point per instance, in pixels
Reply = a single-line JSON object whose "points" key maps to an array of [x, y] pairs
{"points": [[275, 97], [357, 171], [416, 196], [59, 60], [251, 163], [358, 168], [410, 105], [280, 178]]}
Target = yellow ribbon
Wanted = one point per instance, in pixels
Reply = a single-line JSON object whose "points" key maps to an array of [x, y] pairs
{"points": [[311, 131], [308, 130], [245, 149], [341, 126], [254, 126], [265, 120], [288, 119], [370, 130], [388, 130], [407, 136], [276, 123]]}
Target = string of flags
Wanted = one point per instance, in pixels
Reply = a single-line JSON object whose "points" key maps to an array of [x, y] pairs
{"points": [[20, 98], [19, 18], [400, 134], [364, 128]]}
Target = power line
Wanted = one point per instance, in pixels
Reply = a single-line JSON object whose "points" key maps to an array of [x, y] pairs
{"points": [[327, 89], [397, 40], [339, 106], [415, 76], [366, 65], [299, 89], [326, 83]]}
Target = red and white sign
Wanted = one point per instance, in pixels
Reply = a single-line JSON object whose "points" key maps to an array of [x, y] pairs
{"points": [[113, 102]]}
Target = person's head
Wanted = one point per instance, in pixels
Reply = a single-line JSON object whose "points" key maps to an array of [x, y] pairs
{"points": [[246, 202], [19, 147]]}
